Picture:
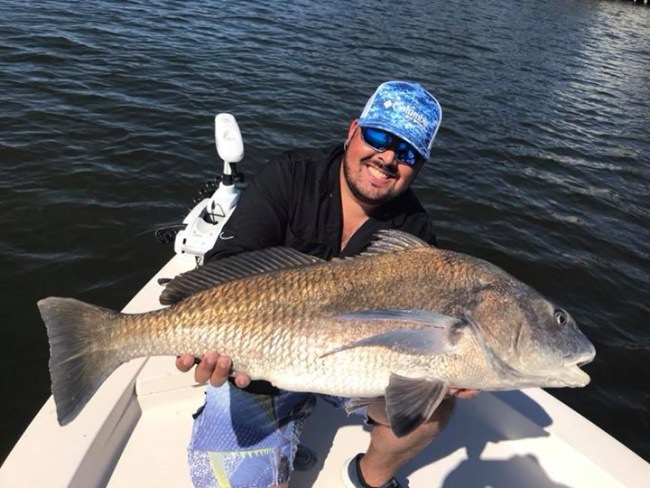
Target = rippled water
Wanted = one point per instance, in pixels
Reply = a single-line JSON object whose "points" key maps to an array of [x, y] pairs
{"points": [[541, 165]]}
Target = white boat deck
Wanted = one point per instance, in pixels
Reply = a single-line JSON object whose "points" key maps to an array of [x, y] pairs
{"points": [[496, 440], [511, 439]]}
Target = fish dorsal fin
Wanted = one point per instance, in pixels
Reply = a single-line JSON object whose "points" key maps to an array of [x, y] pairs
{"points": [[391, 240], [233, 268]]}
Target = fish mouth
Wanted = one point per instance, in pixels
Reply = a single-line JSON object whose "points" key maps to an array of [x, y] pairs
{"points": [[568, 377], [573, 374], [572, 377]]}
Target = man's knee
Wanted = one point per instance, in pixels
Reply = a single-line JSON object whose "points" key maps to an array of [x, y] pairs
{"points": [[422, 436], [441, 416], [428, 430]]}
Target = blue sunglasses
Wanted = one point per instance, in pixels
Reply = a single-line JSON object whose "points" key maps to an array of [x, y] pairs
{"points": [[380, 140]]}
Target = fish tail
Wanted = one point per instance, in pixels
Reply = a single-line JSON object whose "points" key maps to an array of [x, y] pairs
{"points": [[78, 364]]}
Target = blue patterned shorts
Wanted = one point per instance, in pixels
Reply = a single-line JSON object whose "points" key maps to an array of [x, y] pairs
{"points": [[245, 440]]}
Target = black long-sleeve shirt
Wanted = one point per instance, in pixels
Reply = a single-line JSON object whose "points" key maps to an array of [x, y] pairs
{"points": [[295, 201]]}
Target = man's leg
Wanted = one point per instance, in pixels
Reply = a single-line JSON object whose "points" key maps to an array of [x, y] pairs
{"points": [[388, 453]]}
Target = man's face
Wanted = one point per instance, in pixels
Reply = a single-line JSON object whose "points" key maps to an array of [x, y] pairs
{"points": [[374, 177]]}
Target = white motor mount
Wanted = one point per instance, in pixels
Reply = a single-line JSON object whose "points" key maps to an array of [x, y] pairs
{"points": [[204, 222]]}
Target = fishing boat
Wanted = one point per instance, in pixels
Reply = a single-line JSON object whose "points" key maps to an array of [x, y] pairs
{"points": [[135, 429]]}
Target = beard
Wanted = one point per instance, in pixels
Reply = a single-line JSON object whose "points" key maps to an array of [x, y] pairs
{"points": [[363, 196]]}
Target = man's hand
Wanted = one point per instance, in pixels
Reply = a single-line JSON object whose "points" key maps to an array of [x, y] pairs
{"points": [[213, 367], [464, 393]]}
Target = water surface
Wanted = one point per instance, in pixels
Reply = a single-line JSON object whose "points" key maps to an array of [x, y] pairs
{"points": [[541, 165]]}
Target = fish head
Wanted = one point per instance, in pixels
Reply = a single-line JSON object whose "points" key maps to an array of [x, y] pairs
{"points": [[529, 340]]}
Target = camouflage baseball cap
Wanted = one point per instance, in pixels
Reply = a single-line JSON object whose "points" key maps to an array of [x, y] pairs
{"points": [[404, 109]]}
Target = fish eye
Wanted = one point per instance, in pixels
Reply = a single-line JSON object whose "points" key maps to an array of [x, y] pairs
{"points": [[561, 317]]}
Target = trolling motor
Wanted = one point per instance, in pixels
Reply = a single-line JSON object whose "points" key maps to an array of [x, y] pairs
{"points": [[203, 224]]}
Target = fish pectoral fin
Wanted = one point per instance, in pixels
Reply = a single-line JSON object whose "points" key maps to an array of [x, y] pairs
{"points": [[412, 401], [435, 339], [424, 317]]}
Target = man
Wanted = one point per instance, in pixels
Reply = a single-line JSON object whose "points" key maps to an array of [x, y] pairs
{"points": [[328, 203]]}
